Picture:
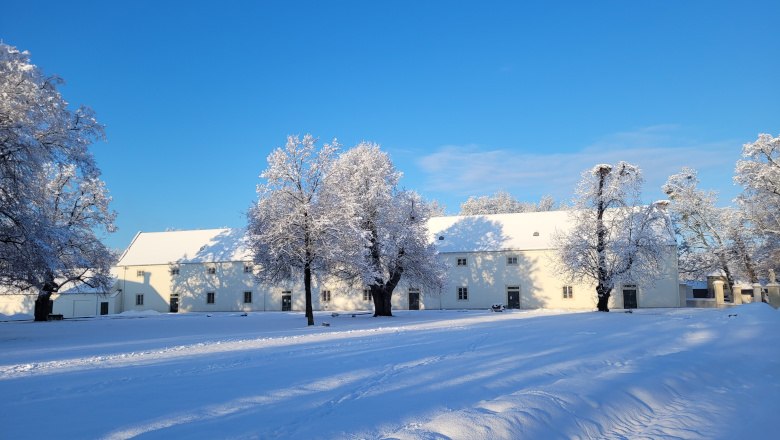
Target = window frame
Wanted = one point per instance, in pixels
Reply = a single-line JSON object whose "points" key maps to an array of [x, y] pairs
{"points": [[512, 260], [459, 260], [463, 293], [211, 270], [325, 296], [367, 295], [139, 299], [211, 297], [248, 295], [568, 292], [175, 271]]}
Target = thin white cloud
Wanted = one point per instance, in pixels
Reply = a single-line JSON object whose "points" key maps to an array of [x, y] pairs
{"points": [[658, 150]]}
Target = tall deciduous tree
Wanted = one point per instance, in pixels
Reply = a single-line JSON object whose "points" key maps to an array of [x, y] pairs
{"points": [[53, 204], [393, 222], [759, 174], [700, 227], [613, 238], [297, 226]]}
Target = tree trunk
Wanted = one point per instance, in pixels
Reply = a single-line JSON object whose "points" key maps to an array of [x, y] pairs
{"points": [[381, 301], [601, 246], [307, 289], [603, 295], [42, 309]]}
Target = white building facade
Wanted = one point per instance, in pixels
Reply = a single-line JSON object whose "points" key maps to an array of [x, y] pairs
{"points": [[492, 259]]}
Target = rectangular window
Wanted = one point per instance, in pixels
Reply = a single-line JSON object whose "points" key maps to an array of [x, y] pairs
{"points": [[247, 297], [139, 273], [139, 299], [209, 297], [247, 268], [568, 292], [511, 261], [325, 296], [461, 261], [174, 271], [463, 293], [367, 295], [211, 270]]}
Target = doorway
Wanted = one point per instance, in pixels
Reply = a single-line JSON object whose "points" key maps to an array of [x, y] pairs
{"points": [[414, 299], [513, 297], [103, 308], [629, 297], [286, 301], [174, 303]]}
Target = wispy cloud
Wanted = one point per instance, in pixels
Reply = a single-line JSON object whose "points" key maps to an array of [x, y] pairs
{"points": [[659, 150]]}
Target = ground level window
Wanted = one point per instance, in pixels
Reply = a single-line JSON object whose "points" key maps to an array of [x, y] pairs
{"points": [[463, 293], [367, 295], [326, 296], [568, 292], [209, 297], [139, 299], [247, 297]]}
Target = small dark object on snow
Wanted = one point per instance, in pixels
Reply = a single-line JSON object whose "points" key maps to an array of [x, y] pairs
{"points": [[53, 317], [629, 311], [497, 308], [732, 315], [326, 324], [334, 314], [208, 316], [243, 314]]}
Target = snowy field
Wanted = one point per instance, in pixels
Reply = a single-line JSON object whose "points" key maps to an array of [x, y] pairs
{"points": [[685, 373]]}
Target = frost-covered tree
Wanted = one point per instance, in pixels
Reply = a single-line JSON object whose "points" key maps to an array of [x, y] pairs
{"points": [[759, 174], [393, 222], [297, 227], [613, 238], [707, 235], [52, 202], [504, 203]]}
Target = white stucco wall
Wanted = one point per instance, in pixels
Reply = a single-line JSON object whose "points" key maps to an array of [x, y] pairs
{"points": [[17, 304], [486, 275]]}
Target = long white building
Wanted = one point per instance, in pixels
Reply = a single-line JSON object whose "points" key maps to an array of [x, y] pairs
{"points": [[492, 259]]}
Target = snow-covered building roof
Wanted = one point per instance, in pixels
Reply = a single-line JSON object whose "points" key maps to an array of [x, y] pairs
{"points": [[496, 232], [473, 233], [194, 246], [82, 288]]}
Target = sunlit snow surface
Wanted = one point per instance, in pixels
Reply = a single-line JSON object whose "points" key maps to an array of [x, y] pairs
{"points": [[686, 373]]}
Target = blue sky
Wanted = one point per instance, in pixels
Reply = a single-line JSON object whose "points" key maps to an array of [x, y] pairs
{"points": [[467, 97]]}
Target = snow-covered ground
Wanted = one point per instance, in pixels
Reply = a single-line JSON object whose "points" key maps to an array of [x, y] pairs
{"points": [[685, 373]]}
